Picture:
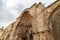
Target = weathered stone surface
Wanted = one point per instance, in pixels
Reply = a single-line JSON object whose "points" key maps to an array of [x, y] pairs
{"points": [[1, 31], [35, 23]]}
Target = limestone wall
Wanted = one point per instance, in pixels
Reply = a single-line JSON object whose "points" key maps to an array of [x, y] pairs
{"points": [[33, 24]]}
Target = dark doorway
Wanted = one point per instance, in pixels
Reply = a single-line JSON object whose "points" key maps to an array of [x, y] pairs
{"points": [[24, 38]]}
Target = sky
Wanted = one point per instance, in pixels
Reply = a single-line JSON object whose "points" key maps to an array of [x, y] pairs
{"points": [[11, 9]]}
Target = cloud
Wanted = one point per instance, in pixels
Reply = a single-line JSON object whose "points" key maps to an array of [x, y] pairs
{"points": [[11, 9], [6, 16], [17, 6], [1, 4], [11, 3]]}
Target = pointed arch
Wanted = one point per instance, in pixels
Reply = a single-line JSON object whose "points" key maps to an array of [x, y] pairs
{"points": [[26, 18], [25, 25], [54, 22]]}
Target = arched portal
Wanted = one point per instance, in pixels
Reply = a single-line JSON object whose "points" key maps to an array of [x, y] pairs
{"points": [[55, 22], [25, 26]]}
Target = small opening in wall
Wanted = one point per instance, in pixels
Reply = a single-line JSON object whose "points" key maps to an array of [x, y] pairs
{"points": [[31, 37], [24, 38]]}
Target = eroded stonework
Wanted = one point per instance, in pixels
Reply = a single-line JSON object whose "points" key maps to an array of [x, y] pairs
{"points": [[35, 23]]}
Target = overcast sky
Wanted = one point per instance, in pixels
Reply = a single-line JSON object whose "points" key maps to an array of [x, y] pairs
{"points": [[11, 9]]}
